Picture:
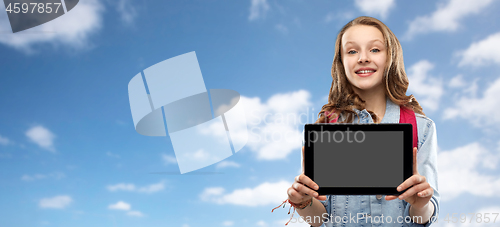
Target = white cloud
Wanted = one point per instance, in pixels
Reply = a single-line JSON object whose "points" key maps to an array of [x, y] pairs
{"points": [[264, 194], [282, 28], [228, 223], [120, 205], [121, 187], [262, 223], [55, 175], [42, 137], [4, 141], [458, 172], [342, 16], [426, 88], [71, 29], [258, 9], [57, 202], [457, 82], [477, 110], [168, 159], [447, 17], [225, 164], [482, 52], [135, 213], [376, 7], [109, 154], [126, 10], [275, 127], [152, 188]]}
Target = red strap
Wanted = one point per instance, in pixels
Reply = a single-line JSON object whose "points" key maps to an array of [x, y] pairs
{"points": [[408, 116], [327, 114]]}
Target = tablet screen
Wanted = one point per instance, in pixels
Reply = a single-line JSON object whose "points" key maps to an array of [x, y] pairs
{"points": [[359, 159]]}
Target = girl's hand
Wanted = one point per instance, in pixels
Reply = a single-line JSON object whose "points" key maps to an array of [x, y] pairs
{"points": [[299, 192], [303, 189], [419, 192]]}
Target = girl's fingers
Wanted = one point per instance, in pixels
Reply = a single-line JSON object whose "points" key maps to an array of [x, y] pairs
{"points": [[304, 190], [425, 193], [414, 190], [306, 181], [413, 180], [321, 197], [390, 197]]}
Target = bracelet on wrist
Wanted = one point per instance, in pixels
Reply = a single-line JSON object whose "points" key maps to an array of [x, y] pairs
{"points": [[303, 205]]}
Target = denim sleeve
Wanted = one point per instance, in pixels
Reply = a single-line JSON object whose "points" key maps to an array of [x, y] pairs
{"points": [[427, 166]]}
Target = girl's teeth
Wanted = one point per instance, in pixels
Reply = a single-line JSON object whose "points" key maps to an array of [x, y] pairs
{"points": [[365, 71]]}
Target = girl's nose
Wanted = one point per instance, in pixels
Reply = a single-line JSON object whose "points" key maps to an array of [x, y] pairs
{"points": [[363, 58]]}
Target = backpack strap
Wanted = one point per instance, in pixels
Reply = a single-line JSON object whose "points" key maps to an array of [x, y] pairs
{"points": [[408, 116], [329, 116]]}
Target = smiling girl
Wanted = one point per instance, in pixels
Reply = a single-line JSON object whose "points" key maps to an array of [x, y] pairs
{"points": [[369, 86]]}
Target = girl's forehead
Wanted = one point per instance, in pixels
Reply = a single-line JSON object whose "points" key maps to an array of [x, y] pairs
{"points": [[361, 34]]}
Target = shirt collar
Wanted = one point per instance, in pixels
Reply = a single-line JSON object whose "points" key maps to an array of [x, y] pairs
{"points": [[391, 114]]}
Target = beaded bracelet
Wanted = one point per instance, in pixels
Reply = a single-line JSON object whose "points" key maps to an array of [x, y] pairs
{"points": [[295, 206]]}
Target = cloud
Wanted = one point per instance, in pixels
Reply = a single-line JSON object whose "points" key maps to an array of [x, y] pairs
{"points": [[457, 82], [376, 7], [258, 9], [4, 141], [168, 159], [459, 172], [427, 89], [481, 214], [135, 213], [55, 175], [152, 188], [275, 126], [121, 187], [446, 18], [57, 202], [225, 164], [127, 11], [264, 194], [342, 16], [282, 28], [42, 137], [228, 223], [109, 154], [482, 52], [477, 110], [120, 205], [72, 29]]}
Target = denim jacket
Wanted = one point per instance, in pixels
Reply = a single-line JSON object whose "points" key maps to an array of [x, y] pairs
{"points": [[373, 210]]}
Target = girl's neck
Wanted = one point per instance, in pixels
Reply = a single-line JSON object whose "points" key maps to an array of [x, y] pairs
{"points": [[375, 100]]}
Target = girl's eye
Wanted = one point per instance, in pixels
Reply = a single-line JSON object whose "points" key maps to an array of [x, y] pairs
{"points": [[376, 50], [351, 52]]}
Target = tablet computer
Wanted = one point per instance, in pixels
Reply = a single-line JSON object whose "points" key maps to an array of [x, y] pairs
{"points": [[358, 159]]}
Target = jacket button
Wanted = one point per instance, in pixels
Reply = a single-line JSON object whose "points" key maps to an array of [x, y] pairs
{"points": [[379, 196]]}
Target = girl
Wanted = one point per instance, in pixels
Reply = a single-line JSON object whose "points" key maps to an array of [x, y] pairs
{"points": [[369, 86]]}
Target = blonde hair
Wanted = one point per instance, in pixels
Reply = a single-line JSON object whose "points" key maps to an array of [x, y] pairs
{"points": [[342, 98]]}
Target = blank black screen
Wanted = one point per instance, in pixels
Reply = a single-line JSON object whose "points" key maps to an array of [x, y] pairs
{"points": [[344, 159]]}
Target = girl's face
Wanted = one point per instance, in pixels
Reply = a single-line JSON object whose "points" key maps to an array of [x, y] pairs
{"points": [[364, 54]]}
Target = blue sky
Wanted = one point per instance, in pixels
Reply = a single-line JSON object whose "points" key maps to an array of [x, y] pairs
{"points": [[69, 154]]}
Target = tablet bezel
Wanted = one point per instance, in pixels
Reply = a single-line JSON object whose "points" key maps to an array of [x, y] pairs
{"points": [[407, 156]]}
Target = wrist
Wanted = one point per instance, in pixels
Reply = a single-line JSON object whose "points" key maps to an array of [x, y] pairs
{"points": [[303, 205]]}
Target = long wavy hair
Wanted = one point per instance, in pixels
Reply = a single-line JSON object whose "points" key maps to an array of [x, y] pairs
{"points": [[342, 98]]}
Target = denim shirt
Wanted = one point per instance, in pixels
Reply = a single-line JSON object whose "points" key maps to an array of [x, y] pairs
{"points": [[373, 210]]}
